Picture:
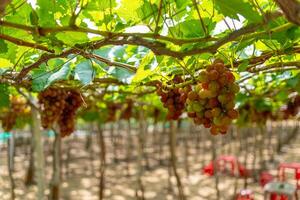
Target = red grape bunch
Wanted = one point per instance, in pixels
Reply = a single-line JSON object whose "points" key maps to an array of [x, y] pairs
{"points": [[112, 111], [66, 120], [17, 107], [292, 107], [211, 102], [59, 105], [174, 99], [127, 112], [52, 101]]}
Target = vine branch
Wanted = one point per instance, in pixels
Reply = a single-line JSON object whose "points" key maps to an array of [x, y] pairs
{"points": [[25, 43]]}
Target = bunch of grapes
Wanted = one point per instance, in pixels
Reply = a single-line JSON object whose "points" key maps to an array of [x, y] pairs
{"points": [[127, 113], [52, 101], [8, 121], [211, 103], [250, 114], [17, 107], [156, 114], [112, 111], [174, 99], [66, 120], [292, 107], [59, 105]]}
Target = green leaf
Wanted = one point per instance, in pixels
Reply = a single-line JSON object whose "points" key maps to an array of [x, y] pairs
{"points": [[180, 3], [281, 96], [263, 104], [4, 95], [39, 79], [192, 28], [241, 99], [90, 116], [101, 5], [119, 73], [234, 7], [72, 39], [3, 46], [146, 10], [243, 66], [46, 11], [145, 68], [34, 18], [61, 74], [103, 52], [84, 72], [292, 82], [128, 9]]}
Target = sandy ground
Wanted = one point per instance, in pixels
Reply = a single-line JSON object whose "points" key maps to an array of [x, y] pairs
{"points": [[81, 182]]}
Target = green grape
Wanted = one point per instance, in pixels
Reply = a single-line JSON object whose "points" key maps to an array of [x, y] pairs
{"points": [[197, 107], [203, 76], [216, 111], [213, 86], [192, 95]]}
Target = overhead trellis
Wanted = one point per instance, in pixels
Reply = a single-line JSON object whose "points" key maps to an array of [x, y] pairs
{"points": [[134, 44]]}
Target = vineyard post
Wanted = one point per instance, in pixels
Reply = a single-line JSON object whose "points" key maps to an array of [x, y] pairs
{"points": [[173, 160], [113, 141], [39, 157], [128, 147], [246, 156], [29, 179], [214, 157], [56, 174], [144, 144], [186, 150], [90, 147], [139, 190], [101, 142], [10, 164], [161, 142]]}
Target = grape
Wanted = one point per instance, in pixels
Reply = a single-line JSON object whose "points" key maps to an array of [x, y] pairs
{"points": [[198, 87], [219, 67], [59, 105], [112, 110], [213, 86], [207, 125], [213, 75], [192, 114], [198, 121], [205, 85], [52, 102], [216, 111], [234, 88], [127, 113], [211, 103], [214, 130], [208, 114], [217, 121], [230, 77], [209, 68], [203, 77], [222, 99], [203, 94], [156, 114], [17, 107], [230, 105], [200, 114], [233, 114], [174, 99], [192, 95], [66, 121]]}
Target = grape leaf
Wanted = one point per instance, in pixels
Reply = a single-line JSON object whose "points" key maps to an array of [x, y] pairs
{"points": [[84, 72]]}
